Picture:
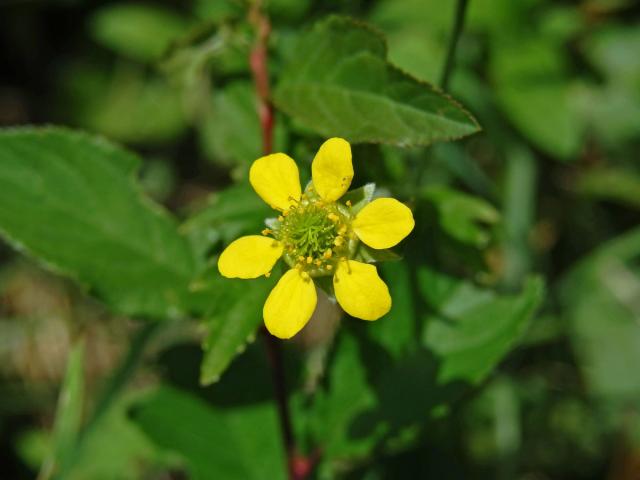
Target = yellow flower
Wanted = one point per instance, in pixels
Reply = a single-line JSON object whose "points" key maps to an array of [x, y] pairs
{"points": [[317, 236]]}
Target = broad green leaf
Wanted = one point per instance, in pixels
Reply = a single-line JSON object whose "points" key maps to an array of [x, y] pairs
{"points": [[228, 214], [613, 50], [600, 296], [417, 32], [71, 201], [242, 442], [464, 217], [217, 11], [339, 83], [347, 397], [115, 449], [68, 415], [538, 97], [233, 322], [396, 331], [126, 104], [135, 30], [231, 133], [470, 329]]}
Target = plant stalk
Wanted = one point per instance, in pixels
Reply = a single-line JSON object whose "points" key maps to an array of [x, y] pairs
{"points": [[458, 24], [299, 466]]}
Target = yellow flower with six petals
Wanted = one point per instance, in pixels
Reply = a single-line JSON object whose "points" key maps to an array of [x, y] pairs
{"points": [[317, 236]]}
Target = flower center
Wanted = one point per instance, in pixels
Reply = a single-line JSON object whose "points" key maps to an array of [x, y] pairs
{"points": [[315, 235]]}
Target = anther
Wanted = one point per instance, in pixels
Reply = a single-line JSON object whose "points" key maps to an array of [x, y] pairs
{"points": [[328, 253], [268, 274], [338, 241], [309, 259], [333, 217], [266, 231], [280, 218], [348, 203], [304, 275]]}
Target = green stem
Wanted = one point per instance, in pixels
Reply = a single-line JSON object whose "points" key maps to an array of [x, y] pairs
{"points": [[458, 24], [447, 69]]}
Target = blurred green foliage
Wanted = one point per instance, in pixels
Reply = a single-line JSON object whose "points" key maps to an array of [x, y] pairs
{"points": [[515, 327]]}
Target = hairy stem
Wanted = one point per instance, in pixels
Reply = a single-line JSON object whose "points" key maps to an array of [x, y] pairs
{"points": [[299, 467]]}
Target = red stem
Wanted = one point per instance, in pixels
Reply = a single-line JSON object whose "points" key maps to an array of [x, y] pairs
{"points": [[258, 64], [299, 466]]}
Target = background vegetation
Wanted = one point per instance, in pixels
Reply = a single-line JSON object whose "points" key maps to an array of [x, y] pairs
{"points": [[512, 348]]}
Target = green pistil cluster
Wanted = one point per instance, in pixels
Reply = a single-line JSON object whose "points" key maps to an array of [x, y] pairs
{"points": [[315, 235]]}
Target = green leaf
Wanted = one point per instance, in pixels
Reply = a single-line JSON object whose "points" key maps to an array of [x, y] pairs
{"points": [[71, 201], [617, 184], [348, 396], [600, 296], [240, 443], [135, 30], [463, 216], [231, 133], [359, 197], [536, 94], [228, 214], [339, 83], [471, 329], [367, 254], [115, 448], [68, 414], [397, 330], [233, 323], [136, 110], [613, 50]]}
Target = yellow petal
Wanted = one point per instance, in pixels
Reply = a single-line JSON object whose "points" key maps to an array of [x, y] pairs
{"points": [[332, 170], [290, 305], [360, 291], [249, 257], [276, 179], [383, 223]]}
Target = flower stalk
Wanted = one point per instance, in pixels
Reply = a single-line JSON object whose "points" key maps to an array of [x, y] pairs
{"points": [[299, 467]]}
